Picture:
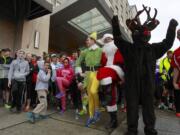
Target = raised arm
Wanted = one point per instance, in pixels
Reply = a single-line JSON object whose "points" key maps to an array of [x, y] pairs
{"points": [[118, 40], [162, 47], [44, 77]]}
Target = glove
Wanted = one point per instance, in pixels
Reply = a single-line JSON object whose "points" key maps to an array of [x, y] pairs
{"points": [[174, 23], [115, 20]]}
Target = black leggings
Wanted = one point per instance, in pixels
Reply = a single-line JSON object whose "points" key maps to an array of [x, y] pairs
{"points": [[76, 95], [177, 100], [33, 95]]}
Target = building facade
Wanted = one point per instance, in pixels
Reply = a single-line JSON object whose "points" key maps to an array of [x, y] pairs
{"points": [[18, 20], [78, 18], [66, 28], [124, 11]]}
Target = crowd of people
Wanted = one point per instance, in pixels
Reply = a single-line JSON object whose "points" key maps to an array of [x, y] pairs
{"points": [[25, 73], [31, 83], [167, 98], [97, 77]]}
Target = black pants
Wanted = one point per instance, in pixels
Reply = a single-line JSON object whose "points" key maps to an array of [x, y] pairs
{"points": [[158, 92], [107, 92], [121, 94], [177, 100], [4, 84], [143, 95], [28, 89], [18, 89], [33, 95], [76, 95]]}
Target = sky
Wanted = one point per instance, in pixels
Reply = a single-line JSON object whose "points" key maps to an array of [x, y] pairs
{"points": [[167, 9]]}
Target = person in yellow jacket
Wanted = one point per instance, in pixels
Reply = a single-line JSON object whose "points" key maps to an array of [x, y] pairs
{"points": [[165, 65], [165, 71], [92, 59]]}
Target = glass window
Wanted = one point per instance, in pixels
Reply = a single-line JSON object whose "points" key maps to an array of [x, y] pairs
{"points": [[91, 21]]}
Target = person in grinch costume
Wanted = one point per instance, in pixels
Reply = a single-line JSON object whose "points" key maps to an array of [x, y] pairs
{"points": [[91, 56]]}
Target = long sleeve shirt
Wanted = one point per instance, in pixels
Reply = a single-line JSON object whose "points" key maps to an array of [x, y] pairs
{"points": [[19, 69], [42, 80]]}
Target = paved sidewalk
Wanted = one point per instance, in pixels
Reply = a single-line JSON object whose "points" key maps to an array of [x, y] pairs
{"points": [[66, 124], [167, 124], [56, 124]]}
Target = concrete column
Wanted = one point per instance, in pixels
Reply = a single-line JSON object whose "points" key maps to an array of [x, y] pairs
{"points": [[28, 35]]}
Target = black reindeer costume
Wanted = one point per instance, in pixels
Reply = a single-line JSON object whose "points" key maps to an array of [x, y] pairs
{"points": [[140, 60]]}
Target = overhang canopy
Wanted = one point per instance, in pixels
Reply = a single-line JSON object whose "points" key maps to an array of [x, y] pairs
{"points": [[38, 8], [24, 9], [75, 19]]}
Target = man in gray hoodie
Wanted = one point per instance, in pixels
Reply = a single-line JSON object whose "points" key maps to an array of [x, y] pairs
{"points": [[19, 69]]}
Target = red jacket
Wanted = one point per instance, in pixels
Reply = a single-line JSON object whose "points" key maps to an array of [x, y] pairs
{"points": [[175, 62], [117, 60], [111, 63], [35, 71]]}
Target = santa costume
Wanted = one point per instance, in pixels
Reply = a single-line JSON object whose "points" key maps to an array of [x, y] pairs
{"points": [[109, 75]]}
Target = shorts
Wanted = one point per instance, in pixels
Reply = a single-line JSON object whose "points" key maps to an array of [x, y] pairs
{"points": [[4, 84]]}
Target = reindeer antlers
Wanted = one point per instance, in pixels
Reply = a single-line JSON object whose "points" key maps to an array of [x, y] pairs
{"points": [[150, 23], [138, 13], [148, 14], [155, 14]]}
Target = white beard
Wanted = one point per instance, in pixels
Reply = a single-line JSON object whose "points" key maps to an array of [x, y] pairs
{"points": [[109, 49]]}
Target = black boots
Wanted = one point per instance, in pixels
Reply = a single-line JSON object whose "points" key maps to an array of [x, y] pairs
{"points": [[147, 131], [130, 133], [113, 122], [150, 131]]}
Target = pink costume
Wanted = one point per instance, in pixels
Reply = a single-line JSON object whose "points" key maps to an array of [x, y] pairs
{"points": [[64, 77]]}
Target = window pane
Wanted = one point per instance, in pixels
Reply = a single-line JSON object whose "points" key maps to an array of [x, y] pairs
{"points": [[90, 21]]}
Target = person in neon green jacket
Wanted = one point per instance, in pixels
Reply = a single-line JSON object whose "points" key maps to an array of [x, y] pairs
{"points": [[165, 71], [165, 65]]}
